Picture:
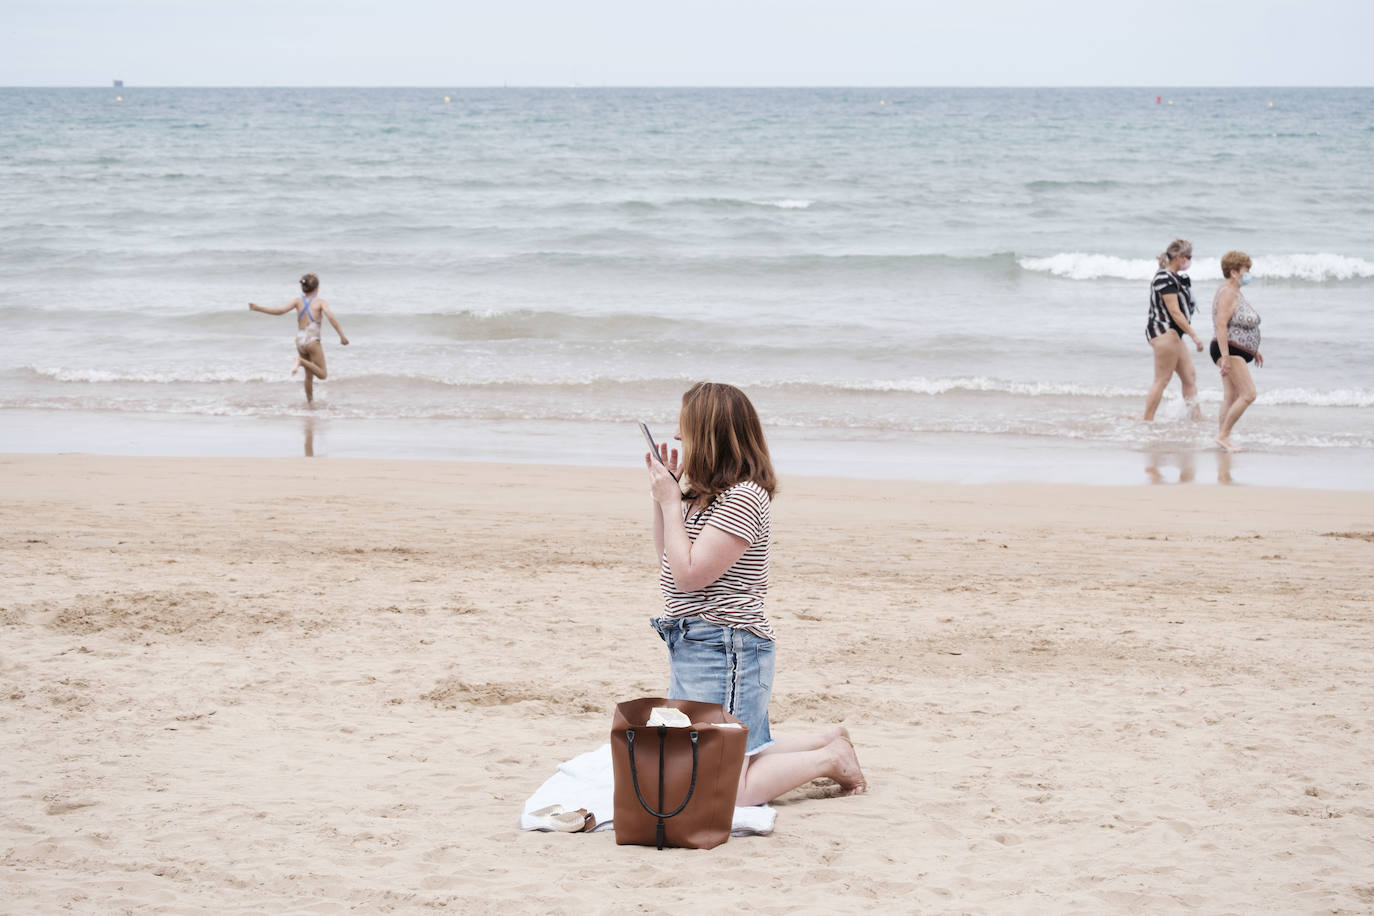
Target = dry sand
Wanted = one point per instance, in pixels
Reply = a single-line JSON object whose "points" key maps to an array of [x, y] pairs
{"points": [[236, 686]]}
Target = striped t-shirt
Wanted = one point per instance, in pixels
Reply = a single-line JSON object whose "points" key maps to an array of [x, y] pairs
{"points": [[736, 598], [1166, 281]]}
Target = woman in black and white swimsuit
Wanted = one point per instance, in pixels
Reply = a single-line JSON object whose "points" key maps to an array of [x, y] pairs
{"points": [[1171, 307], [1236, 344]]}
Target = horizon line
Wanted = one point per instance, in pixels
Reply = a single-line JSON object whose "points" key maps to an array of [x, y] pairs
{"points": [[455, 88]]}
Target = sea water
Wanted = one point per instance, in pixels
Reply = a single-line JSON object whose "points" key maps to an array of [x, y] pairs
{"points": [[919, 282]]}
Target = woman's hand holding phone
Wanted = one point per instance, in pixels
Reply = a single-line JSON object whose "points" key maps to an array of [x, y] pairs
{"points": [[668, 459], [662, 465], [663, 486], [659, 453]]}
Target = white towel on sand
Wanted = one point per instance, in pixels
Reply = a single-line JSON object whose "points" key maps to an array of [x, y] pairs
{"points": [[588, 781]]}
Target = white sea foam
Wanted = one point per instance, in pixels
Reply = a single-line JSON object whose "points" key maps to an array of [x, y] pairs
{"points": [[152, 377], [1298, 397], [1312, 268], [785, 204], [1079, 265], [809, 388], [1342, 397], [937, 386]]}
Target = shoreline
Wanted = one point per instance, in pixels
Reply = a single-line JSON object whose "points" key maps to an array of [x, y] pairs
{"points": [[836, 453], [269, 685]]}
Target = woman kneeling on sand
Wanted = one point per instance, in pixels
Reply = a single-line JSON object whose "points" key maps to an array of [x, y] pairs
{"points": [[1237, 342], [712, 534], [310, 309]]}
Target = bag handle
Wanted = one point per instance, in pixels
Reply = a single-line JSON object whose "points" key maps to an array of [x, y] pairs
{"points": [[634, 777]]}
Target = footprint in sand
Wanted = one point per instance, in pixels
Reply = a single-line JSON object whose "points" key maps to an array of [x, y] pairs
{"points": [[65, 807]]}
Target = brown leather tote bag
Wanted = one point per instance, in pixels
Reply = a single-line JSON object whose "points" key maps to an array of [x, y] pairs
{"points": [[675, 786]]}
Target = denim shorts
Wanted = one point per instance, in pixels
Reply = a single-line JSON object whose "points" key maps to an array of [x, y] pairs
{"points": [[726, 665]]}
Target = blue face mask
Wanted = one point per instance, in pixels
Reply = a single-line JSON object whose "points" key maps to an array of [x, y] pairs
{"points": [[1244, 279]]}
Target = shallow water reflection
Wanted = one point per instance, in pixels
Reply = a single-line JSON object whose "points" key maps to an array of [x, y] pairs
{"points": [[1179, 465], [1160, 462], [1224, 466]]}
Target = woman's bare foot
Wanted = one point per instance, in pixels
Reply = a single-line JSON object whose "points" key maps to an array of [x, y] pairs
{"points": [[846, 771], [834, 732], [1225, 443]]}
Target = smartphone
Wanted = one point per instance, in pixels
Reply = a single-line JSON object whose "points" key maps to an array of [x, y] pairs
{"points": [[653, 446]]}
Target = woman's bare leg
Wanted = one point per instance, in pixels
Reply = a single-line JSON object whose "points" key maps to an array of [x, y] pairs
{"points": [[1187, 377], [1245, 396], [1228, 397], [1166, 358], [766, 776], [805, 742]]}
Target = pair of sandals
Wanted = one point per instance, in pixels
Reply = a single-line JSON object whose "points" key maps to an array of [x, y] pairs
{"points": [[556, 817]]}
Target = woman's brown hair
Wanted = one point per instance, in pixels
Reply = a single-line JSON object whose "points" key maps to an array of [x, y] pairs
{"points": [[309, 283], [1233, 261], [723, 442]]}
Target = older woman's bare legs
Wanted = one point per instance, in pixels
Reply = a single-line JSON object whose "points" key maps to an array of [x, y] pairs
{"points": [[1238, 394], [1166, 358], [791, 762], [1171, 356]]}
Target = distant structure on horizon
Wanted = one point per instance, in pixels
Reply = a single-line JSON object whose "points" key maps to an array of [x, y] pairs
{"points": [[118, 83]]}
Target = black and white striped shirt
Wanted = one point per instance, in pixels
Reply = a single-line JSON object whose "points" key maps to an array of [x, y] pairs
{"points": [[1166, 281], [736, 598]]}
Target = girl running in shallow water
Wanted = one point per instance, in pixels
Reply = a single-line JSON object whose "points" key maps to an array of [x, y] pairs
{"points": [[310, 310]]}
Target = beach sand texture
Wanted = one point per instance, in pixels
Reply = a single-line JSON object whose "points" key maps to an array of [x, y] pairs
{"points": [[270, 686]]}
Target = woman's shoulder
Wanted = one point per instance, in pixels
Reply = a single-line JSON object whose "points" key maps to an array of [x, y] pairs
{"points": [[747, 493], [750, 487], [742, 510]]}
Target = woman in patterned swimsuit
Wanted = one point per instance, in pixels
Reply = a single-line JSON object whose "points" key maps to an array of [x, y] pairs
{"points": [[713, 546], [1236, 344]]}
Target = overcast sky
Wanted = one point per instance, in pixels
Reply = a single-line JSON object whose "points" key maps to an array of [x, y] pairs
{"points": [[702, 43]]}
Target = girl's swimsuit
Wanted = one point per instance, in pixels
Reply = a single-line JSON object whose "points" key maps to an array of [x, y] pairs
{"points": [[1242, 331], [311, 332]]}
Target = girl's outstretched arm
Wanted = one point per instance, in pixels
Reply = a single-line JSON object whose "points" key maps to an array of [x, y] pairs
{"points": [[254, 307]]}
